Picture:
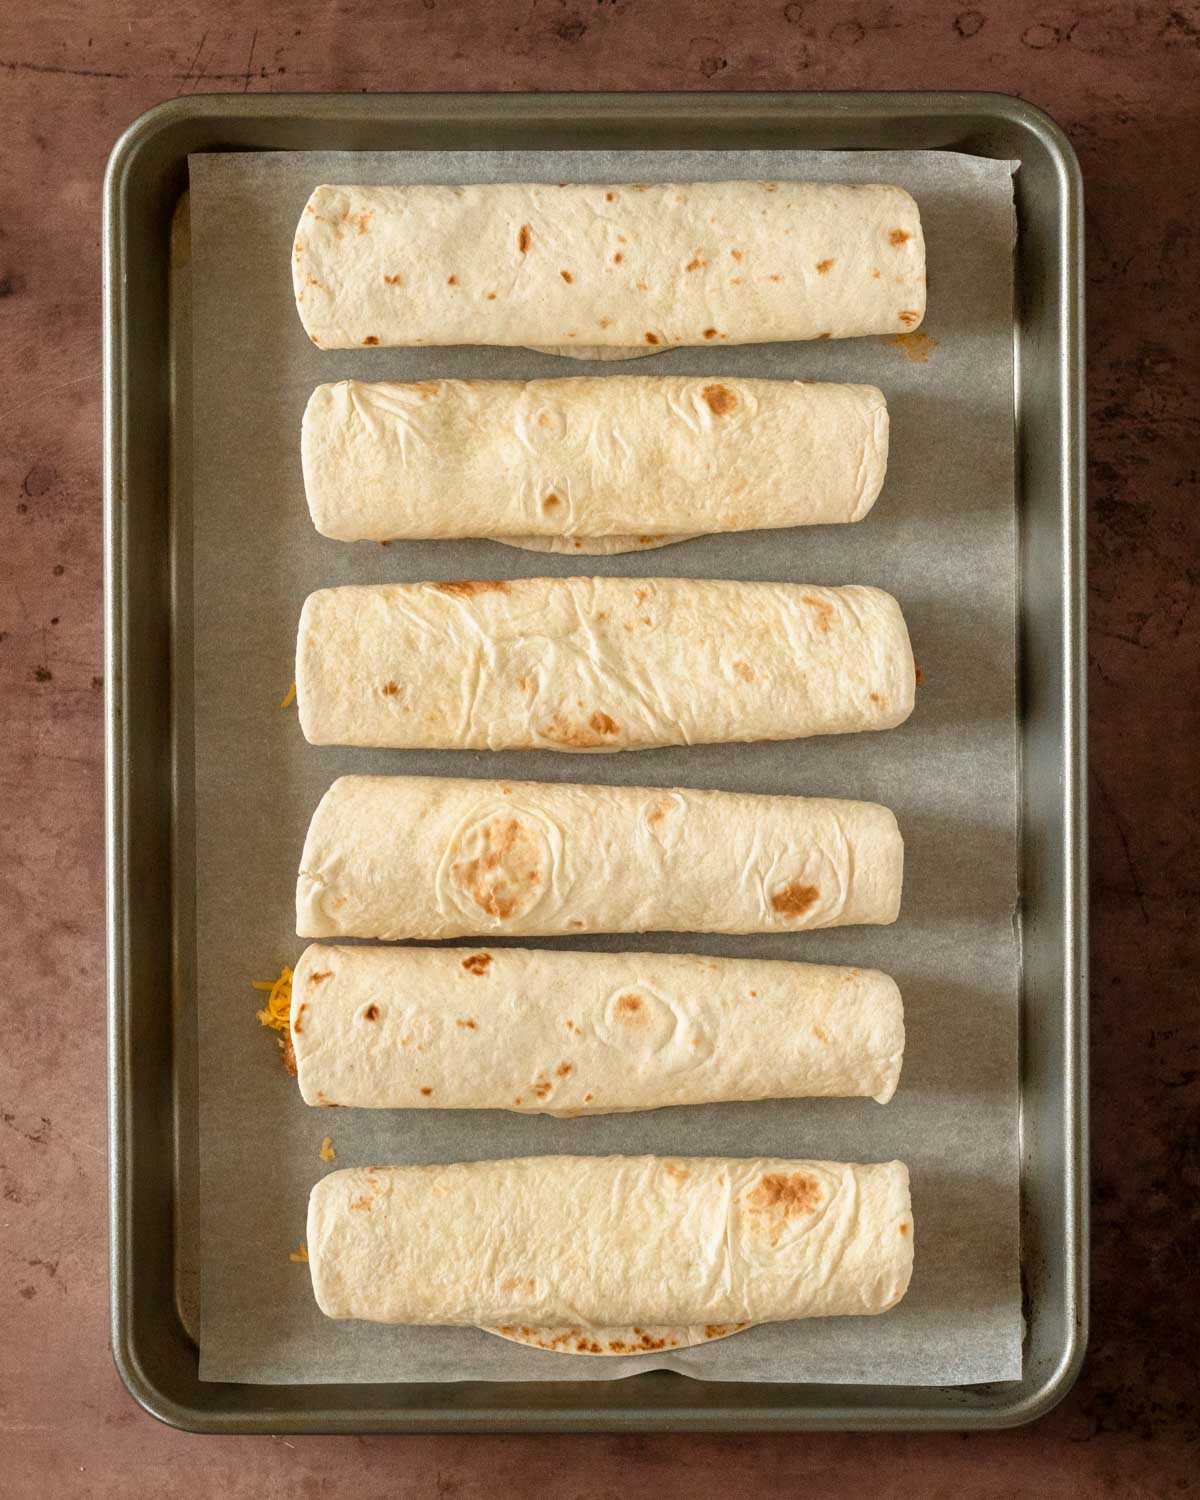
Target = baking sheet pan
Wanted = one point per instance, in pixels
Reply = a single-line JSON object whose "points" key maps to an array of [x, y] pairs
{"points": [[1052, 1265]]}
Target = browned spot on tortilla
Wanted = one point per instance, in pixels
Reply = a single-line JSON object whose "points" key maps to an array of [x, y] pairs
{"points": [[824, 609], [772, 278], [427, 1092], [394, 280], [561, 731], [737, 254], [821, 336], [287, 1054], [390, 689], [920, 676], [898, 237], [564, 1070], [909, 318], [618, 1346], [451, 280], [794, 899], [478, 963], [587, 1098], [371, 339], [524, 238], [491, 878], [652, 338], [542, 1087], [791, 1195], [744, 670], [465, 588], [875, 698], [610, 197], [904, 1229], [362, 1203], [566, 276], [603, 322], [550, 502], [320, 976], [735, 281], [602, 724], [298, 1023], [695, 263], [517, 1100], [820, 1033], [680, 1174], [710, 333], [629, 1005], [825, 266], [876, 275], [916, 347], [371, 1013], [719, 399]]}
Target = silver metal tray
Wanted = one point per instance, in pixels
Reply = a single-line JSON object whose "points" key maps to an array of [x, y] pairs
{"points": [[150, 864]]}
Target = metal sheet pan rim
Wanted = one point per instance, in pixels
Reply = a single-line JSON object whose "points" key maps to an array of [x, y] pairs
{"points": [[164, 135]]}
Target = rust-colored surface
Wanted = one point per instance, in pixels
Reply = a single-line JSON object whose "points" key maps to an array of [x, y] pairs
{"points": [[1122, 78]]}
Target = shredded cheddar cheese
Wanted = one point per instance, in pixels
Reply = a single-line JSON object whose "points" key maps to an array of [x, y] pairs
{"points": [[289, 697], [300, 1255], [277, 1012], [327, 1153]]}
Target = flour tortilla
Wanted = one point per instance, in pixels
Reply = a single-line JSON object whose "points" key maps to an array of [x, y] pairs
{"points": [[583, 664], [597, 351], [592, 546], [623, 456], [612, 1342], [554, 1242], [550, 1032], [394, 857], [624, 267]]}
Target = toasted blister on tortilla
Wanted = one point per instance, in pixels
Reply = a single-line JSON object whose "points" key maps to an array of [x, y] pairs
{"points": [[591, 458], [395, 857], [598, 664], [623, 267], [552, 1032], [641, 1243]]}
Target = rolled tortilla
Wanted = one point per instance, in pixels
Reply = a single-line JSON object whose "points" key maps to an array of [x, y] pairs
{"points": [[645, 266], [623, 456], [598, 663], [601, 1240], [549, 1032], [437, 857]]}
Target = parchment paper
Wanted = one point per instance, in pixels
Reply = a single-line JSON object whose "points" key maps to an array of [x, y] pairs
{"points": [[941, 538]]}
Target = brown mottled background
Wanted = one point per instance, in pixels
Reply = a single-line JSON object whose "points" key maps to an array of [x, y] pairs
{"points": [[1124, 80]]}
